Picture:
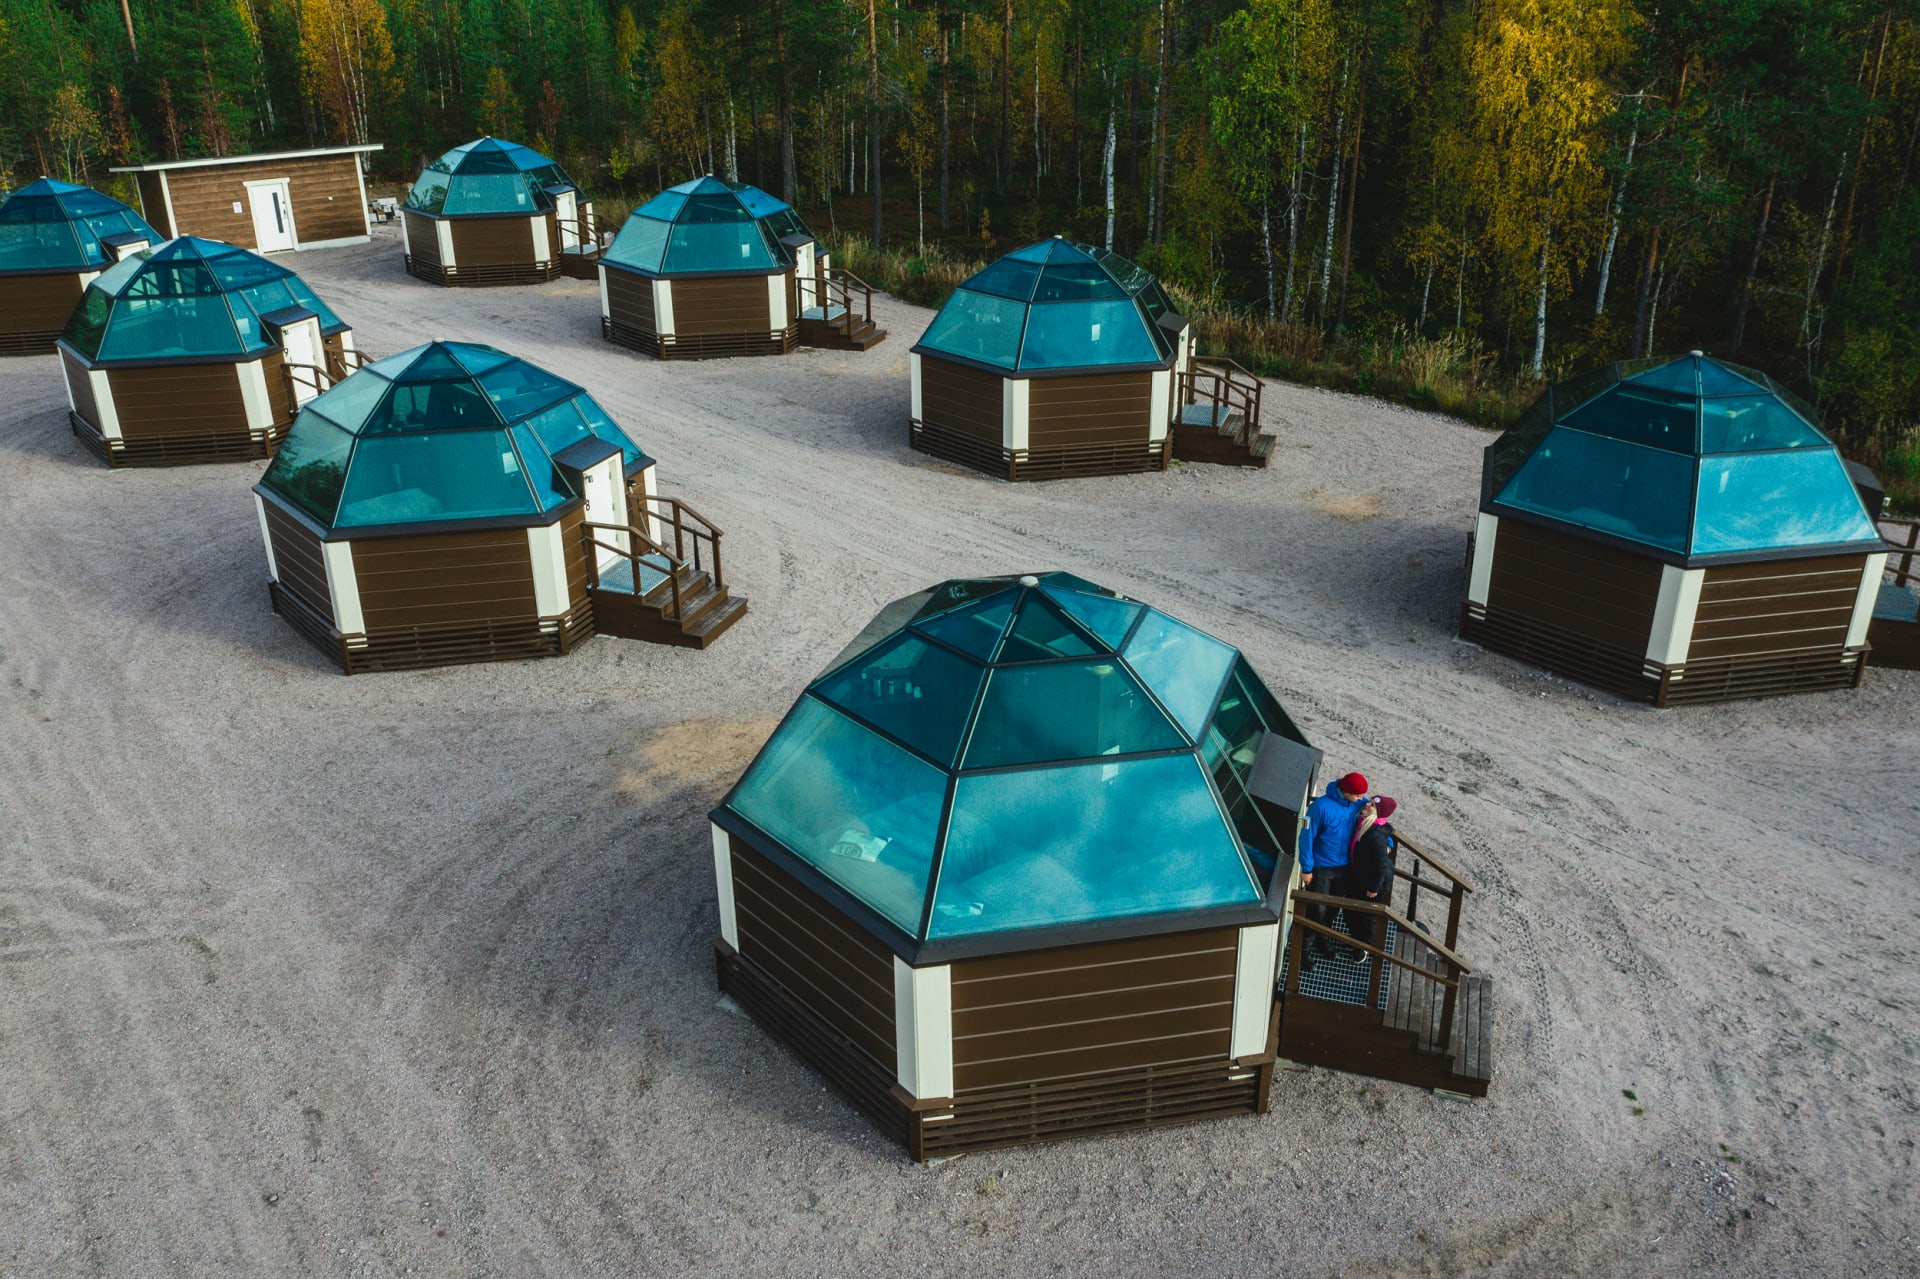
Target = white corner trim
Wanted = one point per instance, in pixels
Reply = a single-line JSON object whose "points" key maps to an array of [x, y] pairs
{"points": [[923, 1029], [777, 300], [913, 373], [166, 197], [549, 569], [1673, 614], [254, 395], [109, 422], [1015, 399], [723, 887], [663, 308], [366, 213], [406, 236], [343, 587], [1484, 533], [1255, 968], [1863, 602], [542, 244], [606, 311], [1160, 408], [339, 242], [443, 236], [266, 538]]}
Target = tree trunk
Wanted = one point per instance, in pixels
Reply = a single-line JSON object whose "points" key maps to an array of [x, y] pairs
{"points": [[1540, 308], [1809, 337], [127, 12], [1157, 190], [1613, 224], [1426, 296], [1004, 165], [789, 182], [1266, 247], [1333, 193], [946, 144], [1753, 269], [1638, 348], [1353, 188], [873, 119], [1866, 130], [1293, 220], [1107, 165]]}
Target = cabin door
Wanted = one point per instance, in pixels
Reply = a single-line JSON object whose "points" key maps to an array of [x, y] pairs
{"points": [[272, 207], [566, 211], [301, 342], [606, 503]]}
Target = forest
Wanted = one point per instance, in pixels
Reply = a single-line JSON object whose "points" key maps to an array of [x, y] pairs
{"points": [[1443, 200]]}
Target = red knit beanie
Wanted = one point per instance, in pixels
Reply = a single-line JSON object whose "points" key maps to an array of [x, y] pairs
{"points": [[1354, 783]]}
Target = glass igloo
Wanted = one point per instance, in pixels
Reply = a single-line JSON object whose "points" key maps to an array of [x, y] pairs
{"points": [[1055, 305], [56, 226], [1003, 756], [1691, 457], [707, 226], [190, 299], [446, 431], [488, 176]]}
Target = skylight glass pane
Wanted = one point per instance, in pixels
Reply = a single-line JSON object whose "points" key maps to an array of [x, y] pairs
{"points": [[490, 193], [1718, 379], [310, 466], [1762, 501], [1040, 632], [455, 475], [717, 246], [1752, 423], [349, 402], [477, 359], [640, 243], [1106, 617], [1639, 416], [605, 428], [1007, 278], [518, 389], [1184, 667], [978, 326], [1077, 281], [559, 427], [39, 246], [665, 206], [975, 629], [416, 407], [1065, 710], [550, 488], [910, 689], [88, 323], [950, 595], [1607, 485], [859, 809], [1677, 376], [429, 193], [147, 327], [1064, 335], [1041, 847]]}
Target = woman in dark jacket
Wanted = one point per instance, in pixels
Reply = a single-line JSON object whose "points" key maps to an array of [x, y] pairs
{"points": [[1370, 866]]}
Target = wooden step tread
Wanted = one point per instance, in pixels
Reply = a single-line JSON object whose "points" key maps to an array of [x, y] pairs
{"points": [[1473, 1028]]}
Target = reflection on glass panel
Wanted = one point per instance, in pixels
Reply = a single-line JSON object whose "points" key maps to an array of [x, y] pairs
{"points": [[1238, 726], [911, 689], [491, 193], [559, 427], [431, 406], [978, 326], [1264, 703], [1607, 485], [114, 280], [1061, 335], [550, 488], [429, 194], [1641, 417], [953, 594], [145, 327], [1038, 847], [639, 244], [1065, 710], [717, 246], [1007, 278], [1750, 423], [1677, 376], [1184, 667], [1757, 501], [1261, 842], [1076, 281], [351, 401], [665, 206], [304, 296], [310, 465], [852, 804], [1041, 632], [477, 359], [1718, 379], [38, 246], [518, 389], [1106, 617], [975, 629], [88, 323], [459, 475], [605, 428], [246, 323]]}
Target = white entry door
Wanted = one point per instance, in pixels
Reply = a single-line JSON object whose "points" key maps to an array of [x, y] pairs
{"points": [[606, 503], [301, 341], [272, 208], [566, 210]]}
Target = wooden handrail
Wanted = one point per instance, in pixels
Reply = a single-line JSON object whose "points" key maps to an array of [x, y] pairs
{"points": [[845, 282], [1432, 861], [634, 557], [1366, 907], [1391, 958], [1906, 552]]}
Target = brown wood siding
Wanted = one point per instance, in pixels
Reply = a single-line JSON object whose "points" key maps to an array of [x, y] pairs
{"points": [[630, 300], [438, 578], [727, 304], [153, 203], [1750, 609], [1020, 1019], [299, 564], [1099, 408], [963, 399], [82, 387], [504, 241], [38, 303], [279, 395], [1574, 585], [573, 544], [423, 241], [166, 399], [325, 191], [829, 964]]}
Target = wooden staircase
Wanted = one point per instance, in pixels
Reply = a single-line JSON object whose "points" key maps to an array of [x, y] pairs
{"points": [[593, 234], [837, 323], [1218, 419], [645, 591]]}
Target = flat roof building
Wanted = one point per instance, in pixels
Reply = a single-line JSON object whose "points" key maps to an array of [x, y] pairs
{"points": [[269, 202]]}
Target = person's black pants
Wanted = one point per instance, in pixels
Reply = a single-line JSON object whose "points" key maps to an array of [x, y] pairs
{"points": [[1329, 881]]}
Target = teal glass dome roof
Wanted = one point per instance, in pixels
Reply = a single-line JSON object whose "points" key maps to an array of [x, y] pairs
{"points": [[1690, 457], [488, 176], [56, 226], [443, 432], [189, 299], [707, 226], [1055, 305], [1000, 756]]}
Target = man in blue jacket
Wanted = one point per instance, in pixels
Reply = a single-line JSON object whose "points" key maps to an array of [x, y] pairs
{"points": [[1324, 848]]}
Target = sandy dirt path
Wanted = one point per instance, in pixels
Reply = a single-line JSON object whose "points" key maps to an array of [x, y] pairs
{"points": [[409, 974]]}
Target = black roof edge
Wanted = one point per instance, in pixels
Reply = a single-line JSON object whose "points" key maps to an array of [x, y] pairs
{"points": [[584, 453], [671, 276], [1072, 370], [1675, 558], [289, 315], [453, 217]]}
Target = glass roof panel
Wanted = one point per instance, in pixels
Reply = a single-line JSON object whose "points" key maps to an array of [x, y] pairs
{"points": [[1640, 416], [640, 243], [978, 326], [1040, 847], [148, 325], [519, 389], [310, 465], [1184, 667], [718, 246], [959, 591], [1065, 710], [975, 629], [1717, 379], [1041, 632], [666, 206], [1065, 336], [550, 487], [1008, 278], [418, 408], [1077, 282], [88, 323], [474, 358], [1607, 485], [605, 428], [559, 427], [1763, 501], [349, 402], [1678, 376], [910, 689], [1105, 616], [859, 809], [508, 192], [1752, 423], [432, 363], [456, 475]]}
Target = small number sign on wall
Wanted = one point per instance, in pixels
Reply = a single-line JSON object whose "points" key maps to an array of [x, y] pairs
{"points": [[237, 207]]}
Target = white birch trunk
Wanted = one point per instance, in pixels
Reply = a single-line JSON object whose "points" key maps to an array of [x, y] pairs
{"points": [[1540, 310], [1333, 193], [1266, 245], [1613, 225], [1816, 269], [1107, 162]]}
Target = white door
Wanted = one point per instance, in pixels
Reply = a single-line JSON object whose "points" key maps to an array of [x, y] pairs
{"points": [[606, 503], [301, 341], [272, 209], [566, 210]]}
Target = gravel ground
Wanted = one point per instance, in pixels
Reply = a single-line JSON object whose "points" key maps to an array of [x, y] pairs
{"points": [[409, 974]]}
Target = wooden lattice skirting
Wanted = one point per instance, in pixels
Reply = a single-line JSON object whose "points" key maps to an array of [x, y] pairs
{"points": [[177, 448], [454, 644], [482, 277], [1063, 462], [29, 343], [312, 625], [711, 346]]}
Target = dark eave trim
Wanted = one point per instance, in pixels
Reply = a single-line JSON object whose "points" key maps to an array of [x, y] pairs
{"points": [[477, 217], [1674, 558], [1078, 370], [671, 276], [358, 533], [165, 361]]}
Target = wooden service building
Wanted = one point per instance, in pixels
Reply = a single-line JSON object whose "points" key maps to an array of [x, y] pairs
{"points": [[998, 875], [1059, 359], [1674, 530], [269, 202], [55, 239], [492, 212], [196, 351], [455, 504]]}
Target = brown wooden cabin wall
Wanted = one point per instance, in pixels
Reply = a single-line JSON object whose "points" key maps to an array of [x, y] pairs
{"points": [[835, 969], [34, 310], [179, 399], [325, 191], [1574, 585], [721, 305], [153, 204], [963, 399], [279, 392], [579, 567], [1122, 1005], [436, 579], [298, 560], [485, 242], [1748, 610], [81, 387], [1097, 408], [630, 300], [423, 240]]}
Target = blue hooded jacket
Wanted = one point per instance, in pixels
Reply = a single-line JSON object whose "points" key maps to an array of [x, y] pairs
{"points": [[1329, 836]]}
